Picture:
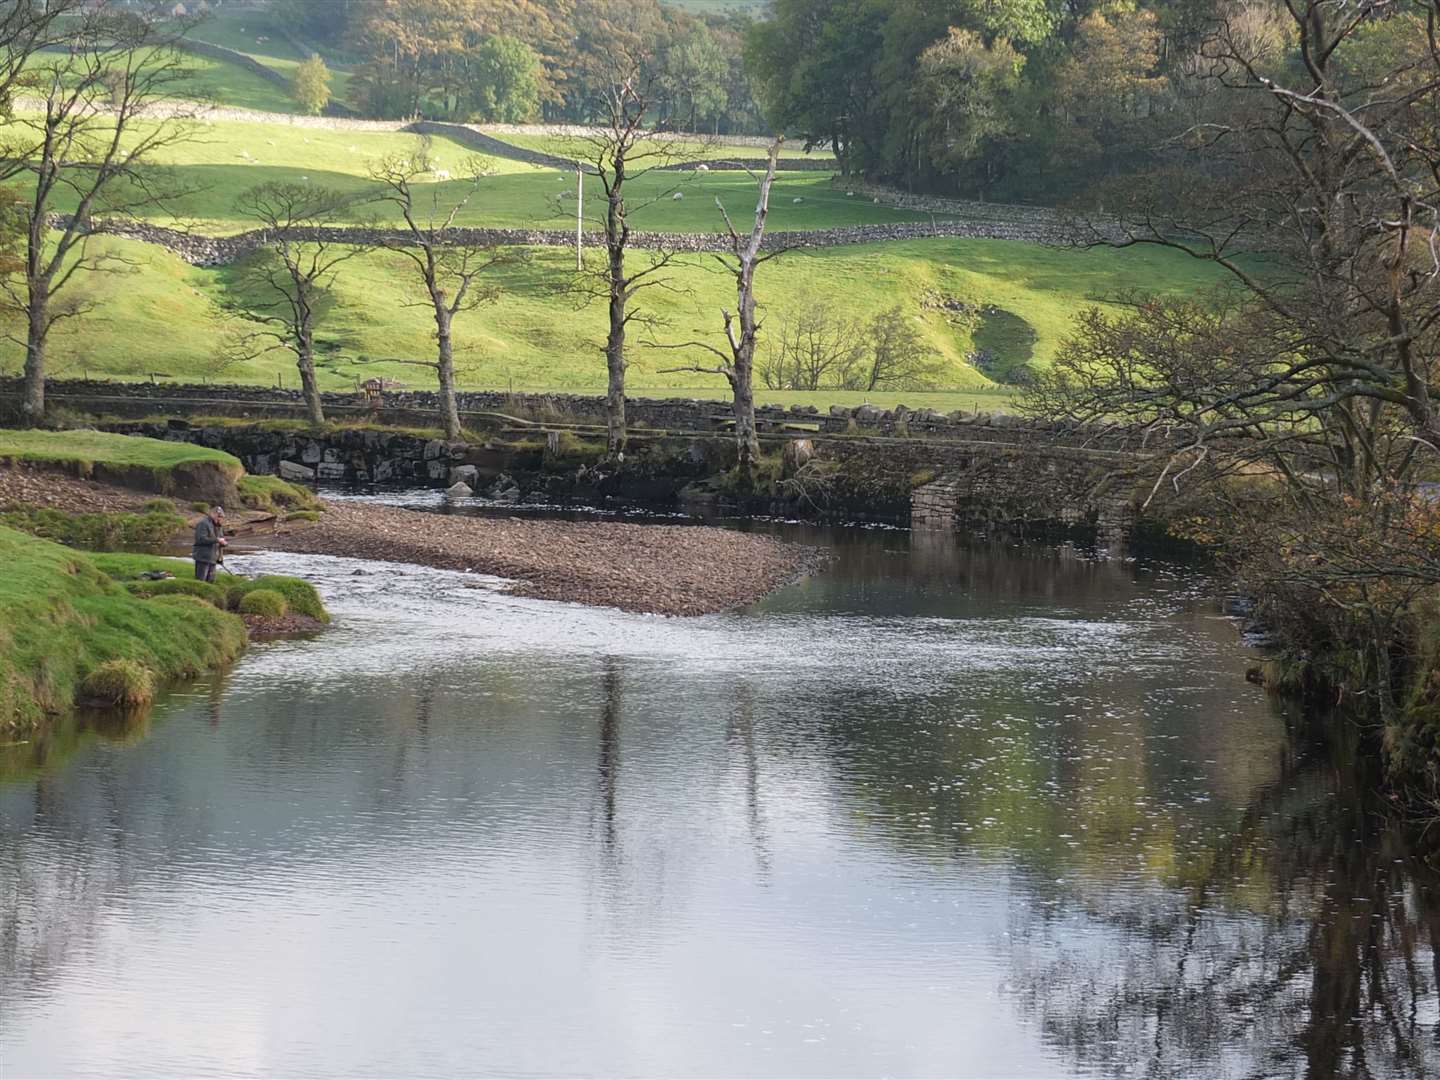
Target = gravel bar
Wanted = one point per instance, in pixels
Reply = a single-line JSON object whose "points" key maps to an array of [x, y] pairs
{"points": [[660, 569]]}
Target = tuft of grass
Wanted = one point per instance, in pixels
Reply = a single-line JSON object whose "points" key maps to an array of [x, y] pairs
{"points": [[266, 602], [61, 617], [299, 595], [302, 515], [272, 494], [208, 591], [125, 684]]}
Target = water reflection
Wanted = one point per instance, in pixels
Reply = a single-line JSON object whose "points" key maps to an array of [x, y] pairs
{"points": [[943, 810]]}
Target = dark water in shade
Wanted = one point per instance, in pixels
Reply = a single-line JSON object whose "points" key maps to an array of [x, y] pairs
{"points": [[939, 811]]}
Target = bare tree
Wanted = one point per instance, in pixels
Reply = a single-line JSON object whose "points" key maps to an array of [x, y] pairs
{"points": [[814, 347], [620, 150], [449, 266], [286, 285], [1299, 400], [85, 136], [742, 326]]}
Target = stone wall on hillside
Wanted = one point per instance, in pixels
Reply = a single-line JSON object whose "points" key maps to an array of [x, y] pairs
{"points": [[202, 250]]}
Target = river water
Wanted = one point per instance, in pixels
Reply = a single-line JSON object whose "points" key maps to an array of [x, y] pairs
{"points": [[940, 810]]}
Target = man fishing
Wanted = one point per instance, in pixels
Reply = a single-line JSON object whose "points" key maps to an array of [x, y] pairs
{"points": [[210, 542]]}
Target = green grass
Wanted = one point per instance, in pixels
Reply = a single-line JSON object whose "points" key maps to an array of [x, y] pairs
{"points": [[266, 602], [706, 150], [123, 566], [535, 338], [299, 595], [222, 158], [244, 30], [270, 493], [100, 447], [97, 532], [61, 618]]}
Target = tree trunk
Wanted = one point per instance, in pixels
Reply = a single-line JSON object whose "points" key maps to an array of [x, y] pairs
{"points": [[615, 361], [747, 440], [445, 369], [305, 361], [616, 234], [37, 312]]}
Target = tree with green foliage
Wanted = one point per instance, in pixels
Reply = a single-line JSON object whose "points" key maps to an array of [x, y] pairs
{"points": [[311, 87], [507, 80], [693, 74]]}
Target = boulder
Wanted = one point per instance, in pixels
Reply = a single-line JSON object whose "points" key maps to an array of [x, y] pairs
{"points": [[459, 490], [433, 449], [464, 474], [290, 470], [312, 452]]}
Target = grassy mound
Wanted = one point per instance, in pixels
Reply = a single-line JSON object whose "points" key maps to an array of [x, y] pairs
{"points": [[299, 595], [266, 602], [86, 449], [122, 684], [171, 468], [61, 617], [272, 494], [207, 591]]}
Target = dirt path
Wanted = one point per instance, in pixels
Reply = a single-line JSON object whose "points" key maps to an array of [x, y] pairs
{"points": [[664, 569]]}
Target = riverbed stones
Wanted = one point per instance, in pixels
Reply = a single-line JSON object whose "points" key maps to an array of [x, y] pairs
{"points": [[459, 490]]}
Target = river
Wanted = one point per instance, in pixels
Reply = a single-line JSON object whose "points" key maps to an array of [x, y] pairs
{"points": [[943, 809]]}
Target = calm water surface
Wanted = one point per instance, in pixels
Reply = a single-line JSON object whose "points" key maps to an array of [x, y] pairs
{"points": [[938, 811]]}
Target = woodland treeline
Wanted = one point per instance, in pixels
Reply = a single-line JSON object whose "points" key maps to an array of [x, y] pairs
{"points": [[513, 61]]}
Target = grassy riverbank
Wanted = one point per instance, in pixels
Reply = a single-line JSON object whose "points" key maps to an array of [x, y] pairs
{"points": [[62, 618], [86, 449]]}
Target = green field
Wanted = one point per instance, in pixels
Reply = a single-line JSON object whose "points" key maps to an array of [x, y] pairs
{"points": [[222, 158], [536, 337], [166, 319], [568, 146]]}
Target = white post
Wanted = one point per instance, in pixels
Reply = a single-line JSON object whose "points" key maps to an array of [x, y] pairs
{"points": [[579, 215]]}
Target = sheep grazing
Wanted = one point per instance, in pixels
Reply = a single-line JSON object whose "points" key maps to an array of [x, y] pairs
{"points": [[702, 167], [678, 196], [797, 200], [876, 200], [442, 174], [849, 194]]}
